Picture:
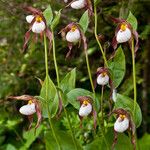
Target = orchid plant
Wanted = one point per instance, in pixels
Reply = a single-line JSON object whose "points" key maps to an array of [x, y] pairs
{"points": [[57, 97]]}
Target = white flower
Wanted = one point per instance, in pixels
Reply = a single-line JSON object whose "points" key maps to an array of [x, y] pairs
{"points": [[121, 124], [28, 109], [102, 79], [65, 1], [124, 34], [38, 27], [114, 95], [73, 35], [85, 109], [79, 4], [29, 18]]}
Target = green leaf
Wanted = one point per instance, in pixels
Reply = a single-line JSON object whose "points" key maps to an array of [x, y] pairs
{"points": [[30, 137], [10, 147], [54, 106], [48, 14], [64, 138], [48, 93], [56, 20], [48, 90], [68, 83], [127, 104], [132, 20], [84, 21], [73, 94], [123, 142], [117, 66], [144, 143]]}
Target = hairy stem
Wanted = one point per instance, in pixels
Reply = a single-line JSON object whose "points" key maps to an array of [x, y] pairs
{"points": [[49, 114], [58, 83], [96, 36]]}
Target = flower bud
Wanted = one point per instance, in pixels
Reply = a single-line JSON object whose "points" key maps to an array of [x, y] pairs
{"points": [[29, 18], [73, 35], [121, 124], [102, 78], [124, 34], [28, 109], [79, 4], [85, 109]]}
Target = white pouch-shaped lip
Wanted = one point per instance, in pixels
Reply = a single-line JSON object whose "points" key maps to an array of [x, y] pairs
{"points": [[79, 4], [123, 36], [73, 36], [38, 27], [121, 125], [85, 110], [28, 109], [102, 80], [29, 18]]}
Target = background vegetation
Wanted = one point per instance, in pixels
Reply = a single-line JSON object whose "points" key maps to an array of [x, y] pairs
{"points": [[19, 72]]}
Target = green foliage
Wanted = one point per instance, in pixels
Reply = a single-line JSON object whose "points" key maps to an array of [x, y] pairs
{"points": [[68, 83], [117, 66], [73, 94], [64, 139], [132, 20], [84, 21], [18, 72], [30, 137], [127, 104], [144, 142], [56, 20], [48, 93], [99, 143], [48, 14]]}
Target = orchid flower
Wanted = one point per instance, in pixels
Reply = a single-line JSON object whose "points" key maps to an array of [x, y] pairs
{"points": [[86, 108], [32, 107], [103, 76], [123, 123], [37, 24], [74, 35], [124, 33], [82, 4]]}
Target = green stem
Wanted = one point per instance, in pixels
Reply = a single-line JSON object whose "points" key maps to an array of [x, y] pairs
{"points": [[105, 64], [49, 114], [89, 72], [58, 83], [101, 103], [102, 117], [53, 131], [134, 76], [96, 36]]}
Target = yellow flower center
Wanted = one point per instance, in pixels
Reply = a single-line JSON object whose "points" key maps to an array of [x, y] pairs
{"points": [[38, 19], [85, 102], [104, 74], [73, 28], [30, 102], [123, 27], [122, 116]]}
